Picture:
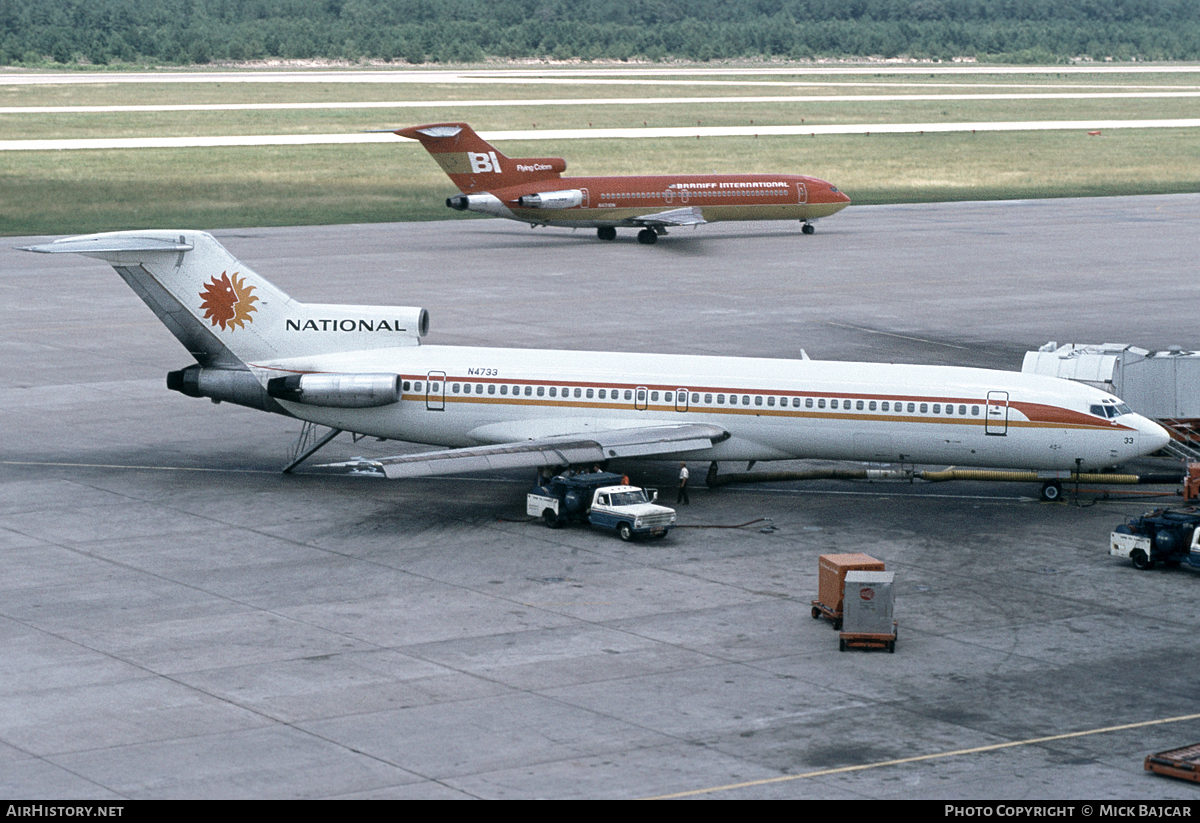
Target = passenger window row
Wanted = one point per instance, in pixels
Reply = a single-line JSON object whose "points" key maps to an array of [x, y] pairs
{"points": [[710, 399], [695, 193]]}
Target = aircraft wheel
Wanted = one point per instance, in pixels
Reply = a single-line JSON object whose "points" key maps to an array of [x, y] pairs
{"points": [[1051, 491], [647, 237], [808, 228], [625, 532], [1140, 561], [606, 233], [710, 479]]}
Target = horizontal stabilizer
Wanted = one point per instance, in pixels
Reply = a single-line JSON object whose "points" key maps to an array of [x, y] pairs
{"points": [[596, 447], [690, 216], [108, 243], [226, 315]]}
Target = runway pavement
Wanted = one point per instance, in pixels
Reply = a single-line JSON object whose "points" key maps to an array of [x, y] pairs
{"points": [[780, 78], [177, 619]]}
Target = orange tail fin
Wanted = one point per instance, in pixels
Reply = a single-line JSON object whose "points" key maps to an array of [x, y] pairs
{"points": [[474, 164]]}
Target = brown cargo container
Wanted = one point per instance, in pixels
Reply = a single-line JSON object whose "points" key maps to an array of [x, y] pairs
{"points": [[831, 582], [1182, 763]]}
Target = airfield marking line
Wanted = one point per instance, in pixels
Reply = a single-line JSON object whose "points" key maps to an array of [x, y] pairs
{"points": [[595, 134], [600, 101], [855, 128], [919, 758], [133, 467], [744, 488], [893, 334]]}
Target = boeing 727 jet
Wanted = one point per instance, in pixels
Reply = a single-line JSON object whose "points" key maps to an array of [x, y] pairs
{"points": [[533, 191], [364, 369]]}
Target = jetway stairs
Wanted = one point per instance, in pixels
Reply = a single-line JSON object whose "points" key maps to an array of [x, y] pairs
{"points": [[1185, 439]]}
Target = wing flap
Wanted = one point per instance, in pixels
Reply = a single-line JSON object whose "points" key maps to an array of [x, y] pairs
{"points": [[690, 216], [646, 441]]}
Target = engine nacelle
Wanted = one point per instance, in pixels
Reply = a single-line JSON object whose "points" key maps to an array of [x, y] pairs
{"points": [[481, 203], [343, 391], [375, 326], [237, 386], [567, 199]]}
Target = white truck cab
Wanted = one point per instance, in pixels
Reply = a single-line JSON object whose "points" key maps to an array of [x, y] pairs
{"points": [[596, 499]]}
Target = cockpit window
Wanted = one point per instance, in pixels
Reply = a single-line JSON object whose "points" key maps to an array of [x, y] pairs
{"points": [[1110, 410]]}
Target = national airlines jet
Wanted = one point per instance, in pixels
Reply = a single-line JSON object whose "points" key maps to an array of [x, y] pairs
{"points": [[365, 370], [533, 191]]}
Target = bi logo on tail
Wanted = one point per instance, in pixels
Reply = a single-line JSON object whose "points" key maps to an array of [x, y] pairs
{"points": [[483, 161]]}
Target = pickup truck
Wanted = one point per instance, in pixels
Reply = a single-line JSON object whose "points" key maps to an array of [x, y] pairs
{"points": [[602, 500]]}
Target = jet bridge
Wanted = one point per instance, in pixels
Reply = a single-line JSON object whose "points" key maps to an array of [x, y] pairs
{"points": [[1161, 385]]}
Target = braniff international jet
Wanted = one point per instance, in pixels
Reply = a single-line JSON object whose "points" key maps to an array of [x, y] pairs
{"points": [[533, 191], [364, 369]]}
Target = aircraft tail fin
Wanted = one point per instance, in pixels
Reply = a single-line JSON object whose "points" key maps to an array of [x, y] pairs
{"points": [[474, 164], [224, 313]]}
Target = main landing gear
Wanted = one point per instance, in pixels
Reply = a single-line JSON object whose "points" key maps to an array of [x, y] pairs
{"points": [[646, 237], [808, 228], [1051, 491]]}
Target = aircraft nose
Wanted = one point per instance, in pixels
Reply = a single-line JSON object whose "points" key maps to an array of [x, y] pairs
{"points": [[1153, 436]]}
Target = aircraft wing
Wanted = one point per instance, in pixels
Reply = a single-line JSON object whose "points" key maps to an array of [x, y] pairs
{"points": [[594, 447], [690, 216]]}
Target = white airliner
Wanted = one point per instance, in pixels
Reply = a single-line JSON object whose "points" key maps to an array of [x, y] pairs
{"points": [[363, 369]]}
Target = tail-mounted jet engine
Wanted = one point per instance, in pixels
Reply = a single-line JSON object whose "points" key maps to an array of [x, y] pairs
{"points": [[236, 386], [567, 199], [482, 203], [343, 391]]}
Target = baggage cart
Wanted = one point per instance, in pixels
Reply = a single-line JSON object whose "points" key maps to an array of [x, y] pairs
{"points": [[831, 580], [1182, 763]]}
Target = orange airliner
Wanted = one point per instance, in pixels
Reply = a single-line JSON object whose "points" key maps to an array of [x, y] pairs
{"points": [[533, 191]]}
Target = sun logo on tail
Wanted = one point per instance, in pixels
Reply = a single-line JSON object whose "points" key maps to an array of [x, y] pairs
{"points": [[227, 301]]}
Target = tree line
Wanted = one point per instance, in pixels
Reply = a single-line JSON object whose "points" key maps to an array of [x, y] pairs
{"points": [[182, 32]]}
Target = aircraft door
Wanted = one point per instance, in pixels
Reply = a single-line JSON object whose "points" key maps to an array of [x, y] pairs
{"points": [[435, 395], [681, 400], [801, 193], [584, 204], [996, 419], [641, 398]]}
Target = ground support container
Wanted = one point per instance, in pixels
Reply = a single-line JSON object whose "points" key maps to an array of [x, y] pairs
{"points": [[831, 580], [867, 614]]}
